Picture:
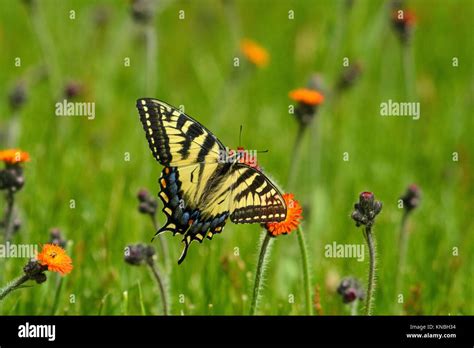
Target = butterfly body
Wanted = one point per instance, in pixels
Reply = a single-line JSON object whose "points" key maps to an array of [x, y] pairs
{"points": [[199, 190]]}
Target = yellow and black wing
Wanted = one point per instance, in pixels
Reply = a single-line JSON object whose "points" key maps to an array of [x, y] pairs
{"points": [[175, 139], [199, 192], [254, 197]]}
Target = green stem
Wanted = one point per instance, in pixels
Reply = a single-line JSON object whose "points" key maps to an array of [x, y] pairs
{"points": [[257, 287], [163, 243], [408, 70], [13, 286], [296, 155], [59, 286], [47, 47], [125, 303], [13, 130], [102, 304], [306, 276], [402, 247], [150, 37], [140, 299], [8, 220], [161, 286], [371, 280], [354, 306]]}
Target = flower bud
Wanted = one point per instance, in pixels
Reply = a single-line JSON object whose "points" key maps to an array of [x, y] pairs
{"points": [[366, 209], [138, 253], [411, 198], [350, 290], [57, 238], [143, 195], [143, 11], [17, 96], [33, 268]]}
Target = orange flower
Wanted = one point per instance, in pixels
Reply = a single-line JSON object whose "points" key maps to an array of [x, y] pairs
{"points": [[55, 258], [254, 52], [307, 96], [406, 17], [12, 156], [293, 217]]}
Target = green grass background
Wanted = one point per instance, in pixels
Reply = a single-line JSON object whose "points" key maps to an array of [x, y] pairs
{"points": [[80, 159]]}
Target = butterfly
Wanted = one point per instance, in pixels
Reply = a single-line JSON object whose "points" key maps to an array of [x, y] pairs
{"points": [[199, 187]]}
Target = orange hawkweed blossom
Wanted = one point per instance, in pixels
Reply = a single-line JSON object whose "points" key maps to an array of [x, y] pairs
{"points": [[406, 17], [306, 96], [12, 156], [293, 217], [255, 53], [55, 258], [403, 22]]}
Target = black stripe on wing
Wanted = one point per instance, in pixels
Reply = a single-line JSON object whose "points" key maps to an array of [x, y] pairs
{"points": [[266, 203], [163, 122], [194, 131]]}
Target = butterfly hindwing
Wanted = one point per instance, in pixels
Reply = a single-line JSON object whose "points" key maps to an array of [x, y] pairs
{"points": [[194, 219], [255, 199], [238, 191]]}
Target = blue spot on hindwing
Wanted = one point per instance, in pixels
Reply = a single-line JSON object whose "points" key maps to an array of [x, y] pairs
{"points": [[173, 188], [178, 212], [195, 215], [185, 218], [222, 219], [172, 178], [214, 223], [174, 202]]}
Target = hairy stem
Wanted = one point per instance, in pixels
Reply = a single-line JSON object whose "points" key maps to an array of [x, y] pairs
{"points": [[306, 276], [295, 159], [257, 287], [371, 281], [161, 286], [13, 286]]}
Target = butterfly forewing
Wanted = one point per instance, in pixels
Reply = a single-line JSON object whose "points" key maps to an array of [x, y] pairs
{"points": [[175, 139]]}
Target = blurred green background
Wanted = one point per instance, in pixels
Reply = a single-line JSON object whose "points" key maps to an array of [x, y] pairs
{"points": [[81, 159]]}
